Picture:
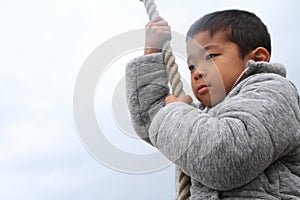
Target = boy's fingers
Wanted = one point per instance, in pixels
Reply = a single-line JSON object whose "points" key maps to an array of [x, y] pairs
{"points": [[161, 23], [157, 21], [186, 99], [157, 24], [172, 98], [163, 28], [157, 18]]}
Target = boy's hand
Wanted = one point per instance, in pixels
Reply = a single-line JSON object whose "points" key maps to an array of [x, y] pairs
{"points": [[172, 98], [157, 33]]}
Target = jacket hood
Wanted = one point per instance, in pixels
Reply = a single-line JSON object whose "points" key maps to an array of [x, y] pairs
{"points": [[264, 67]]}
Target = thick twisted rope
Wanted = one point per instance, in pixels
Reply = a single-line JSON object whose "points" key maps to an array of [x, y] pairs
{"points": [[172, 68], [177, 89]]}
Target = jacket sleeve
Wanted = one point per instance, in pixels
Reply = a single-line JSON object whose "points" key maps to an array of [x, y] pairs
{"points": [[147, 87], [235, 141]]}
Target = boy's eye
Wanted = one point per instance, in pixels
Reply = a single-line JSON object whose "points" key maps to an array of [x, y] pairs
{"points": [[191, 67], [210, 56]]}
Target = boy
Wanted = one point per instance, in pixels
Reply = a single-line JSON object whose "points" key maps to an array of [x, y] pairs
{"points": [[244, 141]]}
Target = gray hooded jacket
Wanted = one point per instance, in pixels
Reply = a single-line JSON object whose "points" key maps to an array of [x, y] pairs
{"points": [[245, 147]]}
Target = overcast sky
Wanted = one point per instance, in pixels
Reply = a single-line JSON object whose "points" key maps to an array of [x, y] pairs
{"points": [[43, 46]]}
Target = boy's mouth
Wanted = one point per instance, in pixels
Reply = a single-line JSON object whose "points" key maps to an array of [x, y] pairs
{"points": [[202, 89]]}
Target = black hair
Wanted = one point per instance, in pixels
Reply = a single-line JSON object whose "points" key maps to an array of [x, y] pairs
{"points": [[240, 27]]}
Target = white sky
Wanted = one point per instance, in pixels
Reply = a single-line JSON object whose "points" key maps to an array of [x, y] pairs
{"points": [[43, 45]]}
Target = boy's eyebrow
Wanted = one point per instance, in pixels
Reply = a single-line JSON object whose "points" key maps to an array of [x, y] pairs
{"points": [[203, 50], [208, 47]]}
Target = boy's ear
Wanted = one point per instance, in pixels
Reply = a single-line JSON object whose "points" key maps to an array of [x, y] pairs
{"points": [[261, 54]]}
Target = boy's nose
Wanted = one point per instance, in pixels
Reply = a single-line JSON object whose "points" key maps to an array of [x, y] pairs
{"points": [[197, 74]]}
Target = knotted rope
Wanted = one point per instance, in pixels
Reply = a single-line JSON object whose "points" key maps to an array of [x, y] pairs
{"points": [[177, 89]]}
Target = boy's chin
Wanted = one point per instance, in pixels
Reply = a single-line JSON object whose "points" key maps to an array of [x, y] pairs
{"points": [[210, 102], [206, 103]]}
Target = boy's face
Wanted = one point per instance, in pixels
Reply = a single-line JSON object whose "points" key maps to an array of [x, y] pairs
{"points": [[217, 65]]}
